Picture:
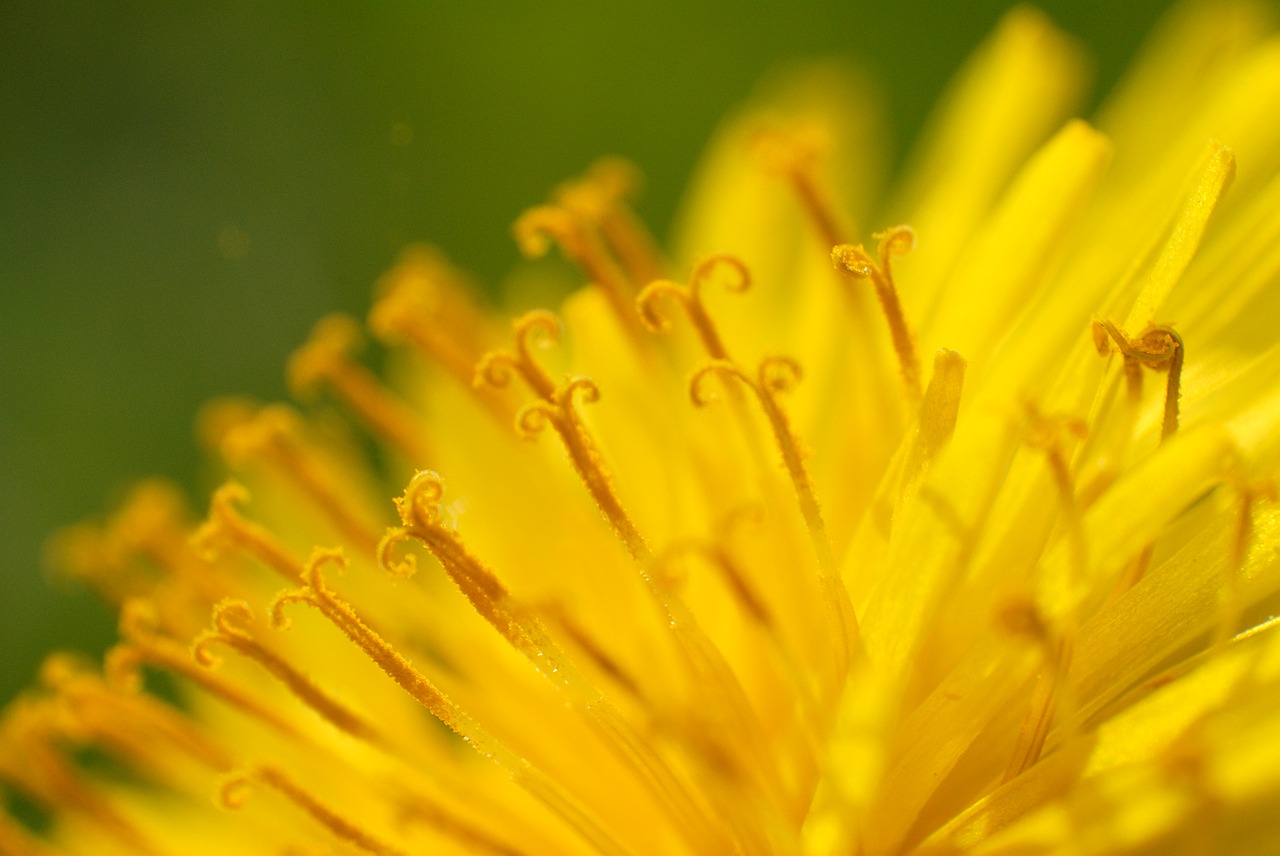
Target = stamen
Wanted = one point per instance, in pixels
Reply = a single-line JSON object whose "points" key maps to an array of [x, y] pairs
{"points": [[538, 327], [234, 792], [145, 644], [152, 524], [796, 156], [230, 628], [594, 651], [316, 594], [1159, 348], [720, 556], [422, 300], [777, 375], [1052, 435], [225, 529], [325, 359], [473, 840], [82, 553], [419, 509], [858, 264], [600, 197], [561, 413], [129, 722], [537, 228], [689, 298], [148, 646], [1050, 696], [41, 772], [275, 435]]}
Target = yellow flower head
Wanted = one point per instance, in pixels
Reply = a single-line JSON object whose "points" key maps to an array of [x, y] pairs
{"points": [[962, 540]]}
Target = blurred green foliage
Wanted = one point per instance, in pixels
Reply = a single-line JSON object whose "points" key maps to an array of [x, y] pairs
{"points": [[187, 185]]}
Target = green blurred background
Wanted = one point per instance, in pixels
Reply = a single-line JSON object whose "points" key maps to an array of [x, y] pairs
{"points": [[185, 187]]}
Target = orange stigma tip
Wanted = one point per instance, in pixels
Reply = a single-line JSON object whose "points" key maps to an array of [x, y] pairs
{"points": [[419, 505], [538, 228], [426, 303], [233, 793], [325, 360], [600, 197], [231, 622], [560, 411], [796, 154], [538, 328], [275, 437], [774, 376], [226, 530], [855, 262], [419, 510], [1159, 348], [689, 298]]}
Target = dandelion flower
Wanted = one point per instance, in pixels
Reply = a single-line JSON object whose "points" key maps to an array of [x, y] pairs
{"points": [[960, 540]]}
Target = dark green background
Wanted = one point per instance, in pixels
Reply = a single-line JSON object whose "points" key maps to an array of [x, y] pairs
{"points": [[133, 135]]}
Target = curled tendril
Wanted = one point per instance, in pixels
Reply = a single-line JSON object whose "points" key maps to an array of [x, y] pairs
{"points": [[690, 297], [212, 536], [234, 790], [647, 302], [578, 390], [225, 499], [779, 374], [313, 591], [419, 505], [1157, 347], [534, 417], [200, 649], [739, 282], [320, 557], [122, 667], [536, 228], [894, 242], [403, 567], [559, 411], [495, 369], [232, 617], [275, 610], [230, 621], [726, 369], [537, 327]]}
